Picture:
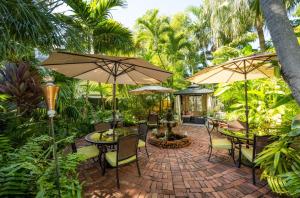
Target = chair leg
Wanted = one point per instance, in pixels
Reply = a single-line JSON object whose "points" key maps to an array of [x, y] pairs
{"points": [[138, 167], [210, 151], [253, 175], [233, 155], [104, 167], [240, 159], [146, 151], [117, 174]]}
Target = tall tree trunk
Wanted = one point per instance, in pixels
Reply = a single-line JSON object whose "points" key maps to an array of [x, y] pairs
{"points": [[259, 25], [285, 42]]}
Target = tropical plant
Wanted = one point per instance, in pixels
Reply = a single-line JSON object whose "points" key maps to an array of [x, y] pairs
{"points": [[280, 162], [22, 84], [98, 33], [27, 25], [29, 170]]}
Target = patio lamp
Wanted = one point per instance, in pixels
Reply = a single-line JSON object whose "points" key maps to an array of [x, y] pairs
{"points": [[50, 95]]}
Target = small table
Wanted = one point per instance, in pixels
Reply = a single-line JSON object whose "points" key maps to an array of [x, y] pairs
{"points": [[103, 140]]}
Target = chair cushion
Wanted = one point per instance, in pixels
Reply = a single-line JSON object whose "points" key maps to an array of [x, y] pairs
{"points": [[88, 151], [95, 137], [247, 152], [141, 143], [111, 158], [221, 143]]}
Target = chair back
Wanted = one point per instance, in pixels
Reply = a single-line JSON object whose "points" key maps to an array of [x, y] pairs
{"points": [[210, 127], [127, 147], [153, 118], [143, 131], [260, 142], [103, 126]]}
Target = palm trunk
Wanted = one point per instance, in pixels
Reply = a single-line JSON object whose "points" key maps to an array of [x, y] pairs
{"points": [[285, 42], [260, 33]]}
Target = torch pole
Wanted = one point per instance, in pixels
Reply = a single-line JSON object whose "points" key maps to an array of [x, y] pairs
{"points": [[55, 156], [50, 95]]}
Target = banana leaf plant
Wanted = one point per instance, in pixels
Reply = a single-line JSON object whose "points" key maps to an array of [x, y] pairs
{"points": [[22, 85], [280, 162]]}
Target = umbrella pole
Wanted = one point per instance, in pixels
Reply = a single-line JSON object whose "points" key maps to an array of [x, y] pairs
{"points": [[246, 107], [114, 106]]}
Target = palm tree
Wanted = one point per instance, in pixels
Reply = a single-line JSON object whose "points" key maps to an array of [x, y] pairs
{"points": [[26, 25], [228, 19], [285, 42], [150, 33], [200, 26], [97, 31]]}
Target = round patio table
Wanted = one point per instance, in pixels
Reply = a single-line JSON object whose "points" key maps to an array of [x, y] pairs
{"points": [[237, 136], [235, 133], [104, 140]]}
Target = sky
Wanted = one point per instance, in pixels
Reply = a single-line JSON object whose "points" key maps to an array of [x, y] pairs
{"points": [[137, 8]]}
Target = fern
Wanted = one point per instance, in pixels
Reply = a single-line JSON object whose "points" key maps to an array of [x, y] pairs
{"points": [[29, 170]]}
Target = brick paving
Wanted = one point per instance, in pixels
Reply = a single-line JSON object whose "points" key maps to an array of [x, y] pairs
{"points": [[171, 173]]}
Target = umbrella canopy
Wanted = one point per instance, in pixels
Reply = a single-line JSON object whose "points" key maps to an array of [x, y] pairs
{"points": [[106, 69], [151, 90], [239, 69], [194, 90], [249, 67]]}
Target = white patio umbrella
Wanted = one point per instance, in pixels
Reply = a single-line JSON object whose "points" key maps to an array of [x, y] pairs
{"points": [[151, 89], [238, 69], [106, 69]]}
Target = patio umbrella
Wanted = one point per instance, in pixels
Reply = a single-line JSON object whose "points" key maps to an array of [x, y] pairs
{"points": [[106, 69], [152, 89], [238, 69]]}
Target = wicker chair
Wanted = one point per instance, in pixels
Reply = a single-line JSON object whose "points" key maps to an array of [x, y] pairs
{"points": [[102, 127], [250, 152], [217, 143], [142, 132], [153, 120], [126, 153]]}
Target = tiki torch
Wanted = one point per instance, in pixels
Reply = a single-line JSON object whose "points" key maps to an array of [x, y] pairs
{"points": [[50, 94]]}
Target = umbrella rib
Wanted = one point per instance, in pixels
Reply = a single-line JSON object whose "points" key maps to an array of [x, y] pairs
{"points": [[238, 66], [75, 63], [226, 68], [130, 67], [230, 77], [263, 72], [146, 75], [251, 65], [83, 73], [129, 75], [210, 76]]}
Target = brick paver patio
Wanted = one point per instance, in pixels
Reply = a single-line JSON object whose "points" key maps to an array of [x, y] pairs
{"points": [[175, 173]]}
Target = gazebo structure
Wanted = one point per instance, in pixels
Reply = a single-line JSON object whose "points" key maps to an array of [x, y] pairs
{"points": [[193, 103]]}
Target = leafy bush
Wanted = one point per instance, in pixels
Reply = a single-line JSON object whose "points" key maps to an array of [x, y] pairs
{"points": [[29, 170], [280, 162]]}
